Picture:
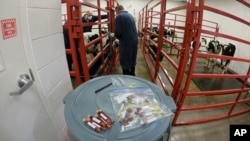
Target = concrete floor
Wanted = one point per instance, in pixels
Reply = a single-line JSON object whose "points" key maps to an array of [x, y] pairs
{"points": [[216, 130], [210, 131]]}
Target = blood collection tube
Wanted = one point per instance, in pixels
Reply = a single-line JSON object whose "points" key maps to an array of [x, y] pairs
{"points": [[99, 122], [103, 120], [105, 116], [92, 125]]}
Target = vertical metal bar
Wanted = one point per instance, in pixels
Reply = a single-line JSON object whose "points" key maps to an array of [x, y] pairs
{"points": [[177, 92], [185, 51], [73, 47], [160, 38], [80, 42]]}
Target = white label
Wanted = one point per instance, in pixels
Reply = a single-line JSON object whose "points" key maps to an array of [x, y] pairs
{"points": [[91, 125], [103, 116], [96, 120], [96, 125]]}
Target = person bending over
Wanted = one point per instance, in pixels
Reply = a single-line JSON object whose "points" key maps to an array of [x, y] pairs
{"points": [[126, 33]]}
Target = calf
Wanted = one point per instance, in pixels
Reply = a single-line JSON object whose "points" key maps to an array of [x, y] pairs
{"points": [[170, 33], [203, 42], [88, 36], [153, 36], [95, 48], [152, 47], [153, 50], [214, 47], [167, 33], [95, 70], [228, 50]]}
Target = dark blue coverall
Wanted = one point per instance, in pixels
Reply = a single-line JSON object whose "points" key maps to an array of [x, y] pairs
{"points": [[125, 31]]}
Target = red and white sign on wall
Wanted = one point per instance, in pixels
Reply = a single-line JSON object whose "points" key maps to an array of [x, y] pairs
{"points": [[8, 27]]}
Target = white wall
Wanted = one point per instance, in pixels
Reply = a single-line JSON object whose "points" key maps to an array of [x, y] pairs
{"points": [[132, 6], [231, 27], [43, 41]]}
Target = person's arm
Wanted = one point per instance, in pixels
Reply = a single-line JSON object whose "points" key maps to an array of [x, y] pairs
{"points": [[104, 16], [95, 18]]}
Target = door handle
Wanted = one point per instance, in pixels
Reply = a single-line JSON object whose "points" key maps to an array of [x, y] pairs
{"points": [[24, 82]]}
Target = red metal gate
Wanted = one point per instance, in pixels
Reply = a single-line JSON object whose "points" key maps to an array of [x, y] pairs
{"points": [[76, 37], [173, 73]]}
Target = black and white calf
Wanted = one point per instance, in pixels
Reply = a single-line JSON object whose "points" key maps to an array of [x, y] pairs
{"points": [[215, 47], [203, 43], [88, 37], [92, 51], [228, 50], [170, 34], [152, 47]]}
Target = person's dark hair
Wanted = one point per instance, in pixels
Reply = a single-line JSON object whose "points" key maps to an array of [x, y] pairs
{"points": [[119, 8]]}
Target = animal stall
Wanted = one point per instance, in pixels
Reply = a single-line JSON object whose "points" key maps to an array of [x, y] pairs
{"points": [[216, 95], [90, 54]]}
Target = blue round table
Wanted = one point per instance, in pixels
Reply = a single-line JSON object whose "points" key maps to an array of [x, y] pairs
{"points": [[94, 95]]}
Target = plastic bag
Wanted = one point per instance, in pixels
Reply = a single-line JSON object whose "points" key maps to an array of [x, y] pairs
{"points": [[136, 106]]}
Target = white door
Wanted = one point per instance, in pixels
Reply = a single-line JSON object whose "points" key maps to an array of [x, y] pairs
{"points": [[22, 117]]}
